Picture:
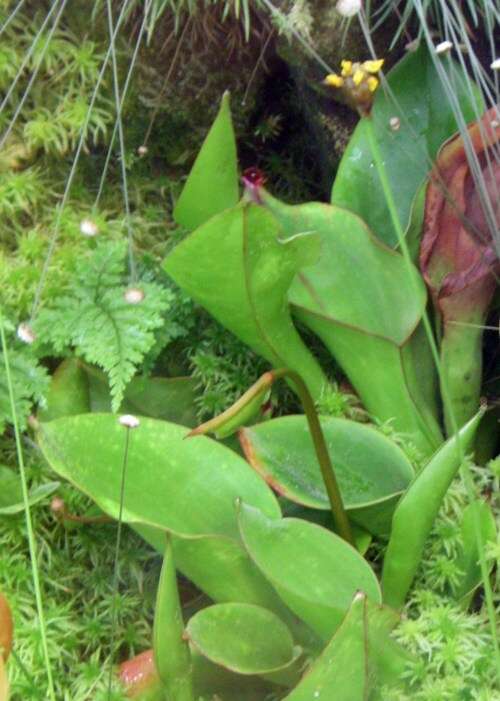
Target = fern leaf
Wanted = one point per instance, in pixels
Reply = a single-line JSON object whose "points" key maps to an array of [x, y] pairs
{"points": [[29, 383], [99, 324]]}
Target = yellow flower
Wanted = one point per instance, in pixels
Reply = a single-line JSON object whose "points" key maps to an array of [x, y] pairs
{"points": [[372, 66], [346, 68], [358, 82], [358, 76], [334, 80]]}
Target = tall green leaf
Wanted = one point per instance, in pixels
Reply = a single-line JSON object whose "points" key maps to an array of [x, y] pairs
{"points": [[358, 660], [171, 650], [416, 512], [360, 300], [11, 492], [240, 269], [212, 185], [68, 392]]}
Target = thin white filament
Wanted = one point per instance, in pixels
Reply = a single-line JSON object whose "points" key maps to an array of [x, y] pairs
{"points": [[69, 182]]}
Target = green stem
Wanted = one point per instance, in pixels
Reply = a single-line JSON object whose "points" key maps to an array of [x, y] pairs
{"points": [[340, 518], [445, 392], [258, 388], [27, 515], [330, 481], [116, 573]]}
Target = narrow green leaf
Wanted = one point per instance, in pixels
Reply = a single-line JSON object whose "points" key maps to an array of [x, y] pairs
{"points": [[241, 637], [315, 572], [417, 511], [171, 651], [239, 269], [212, 185], [358, 660], [340, 671], [426, 117], [370, 469]]}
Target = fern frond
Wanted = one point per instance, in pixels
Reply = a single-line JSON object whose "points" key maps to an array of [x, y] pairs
{"points": [[29, 383], [100, 325]]}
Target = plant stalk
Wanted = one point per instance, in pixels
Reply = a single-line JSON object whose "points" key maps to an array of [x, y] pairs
{"points": [[339, 514], [27, 515], [265, 383], [445, 392]]}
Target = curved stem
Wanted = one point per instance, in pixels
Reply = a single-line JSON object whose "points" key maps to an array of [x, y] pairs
{"points": [[327, 472], [264, 383]]}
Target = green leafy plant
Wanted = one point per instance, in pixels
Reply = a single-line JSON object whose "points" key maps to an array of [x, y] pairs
{"points": [[298, 608], [256, 557]]}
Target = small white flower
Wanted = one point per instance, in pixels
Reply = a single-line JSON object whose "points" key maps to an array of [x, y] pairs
{"points": [[88, 227], [495, 66], [129, 421], [495, 123], [394, 123], [444, 47], [25, 333], [142, 150], [348, 8], [134, 295]]}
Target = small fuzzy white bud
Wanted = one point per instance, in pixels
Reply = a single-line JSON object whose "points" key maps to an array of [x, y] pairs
{"points": [[88, 227], [129, 421], [348, 8], [394, 123], [142, 150], [412, 45], [134, 295], [444, 47], [33, 422], [495, 124], [495, 66], [25, 333]]}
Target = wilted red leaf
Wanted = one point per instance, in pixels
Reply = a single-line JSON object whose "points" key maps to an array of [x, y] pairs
{"points": [[457, 255]]}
